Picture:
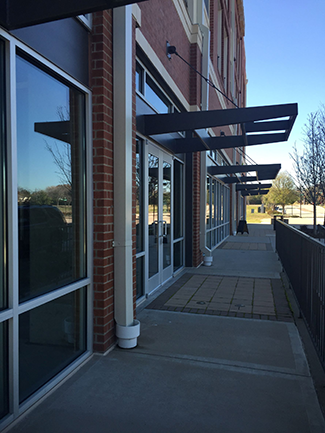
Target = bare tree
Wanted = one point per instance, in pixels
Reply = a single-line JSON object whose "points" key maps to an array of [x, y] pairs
{"points": [[309, 167], [62, 159], [62, 153]]}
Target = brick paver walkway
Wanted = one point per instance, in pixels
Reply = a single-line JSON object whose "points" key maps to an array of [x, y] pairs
{"points": [[257, 298], [251, 246]]}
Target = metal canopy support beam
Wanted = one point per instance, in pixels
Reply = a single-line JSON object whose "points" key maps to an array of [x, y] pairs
{"points": [[16, 14], [245, 187], [230, 180], [254, 192], [231, 169], [58, 130], [195, 144], [274, 125], [151, 124], [263, 172]]}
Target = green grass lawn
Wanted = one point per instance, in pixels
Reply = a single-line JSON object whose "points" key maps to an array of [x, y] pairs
{"points": [[256, 218]]}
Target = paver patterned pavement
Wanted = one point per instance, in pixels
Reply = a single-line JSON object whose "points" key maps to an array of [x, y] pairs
{"points": [[234, 296], [254, 298]]}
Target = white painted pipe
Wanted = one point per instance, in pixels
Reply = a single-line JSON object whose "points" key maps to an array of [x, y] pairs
{"points": [[128, 335]]}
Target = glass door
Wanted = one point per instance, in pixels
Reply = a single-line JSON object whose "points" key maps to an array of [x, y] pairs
{"points": [[159, 217]]}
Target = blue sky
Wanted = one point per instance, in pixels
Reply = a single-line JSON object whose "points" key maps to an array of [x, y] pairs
{"points": [[285, 62], [36, 168]]}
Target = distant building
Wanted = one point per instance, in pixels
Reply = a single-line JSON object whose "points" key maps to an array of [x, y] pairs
{"points": [[123, 160]]}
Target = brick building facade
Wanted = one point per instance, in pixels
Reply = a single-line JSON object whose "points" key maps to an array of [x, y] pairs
{"points": [[116, 171]]}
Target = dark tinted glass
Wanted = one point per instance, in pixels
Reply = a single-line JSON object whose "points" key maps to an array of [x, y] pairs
{"points": [[178, 255], [140, 276], [50, 337], [4, 400]]}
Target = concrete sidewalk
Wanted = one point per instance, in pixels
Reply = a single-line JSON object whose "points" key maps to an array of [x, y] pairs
{"points": [[195, 371]]}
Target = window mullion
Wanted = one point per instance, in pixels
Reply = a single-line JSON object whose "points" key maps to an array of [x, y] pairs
{"points": [[12, 230]]}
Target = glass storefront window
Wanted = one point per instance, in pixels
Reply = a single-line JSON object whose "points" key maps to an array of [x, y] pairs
{"points": [[139, 276], [50, 338], [4, 399], [213, 202], [217, 212], [222, 205], [166, 223], [208, 239], [178, 200], [208, 201], [178, 255], [139, 78], [139, 219], [51, 182], [155, 97], [139, 214], [153, 213]]}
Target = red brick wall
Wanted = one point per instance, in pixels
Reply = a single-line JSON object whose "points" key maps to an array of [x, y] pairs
{"points": [[195, 79], [102, 88], [213, 33], [197, 254], [195, 99], [160, 23]]}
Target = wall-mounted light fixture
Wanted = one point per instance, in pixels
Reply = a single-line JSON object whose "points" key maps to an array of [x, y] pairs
{"points": [[170, 49]]}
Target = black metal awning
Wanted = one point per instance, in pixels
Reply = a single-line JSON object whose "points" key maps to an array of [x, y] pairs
{"points": [[255, 192], [252, 186], [263, 172], [58, 130], [260, 125], [15, 14]]}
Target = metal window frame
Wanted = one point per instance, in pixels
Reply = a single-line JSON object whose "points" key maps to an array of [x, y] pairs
{"points": [[142, 92]]}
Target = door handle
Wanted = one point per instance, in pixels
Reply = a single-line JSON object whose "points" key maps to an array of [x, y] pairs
{"points": [[165, 228], [163, 225]]}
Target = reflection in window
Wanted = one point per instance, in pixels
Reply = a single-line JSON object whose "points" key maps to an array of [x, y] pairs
{"points": [[222, 204], [139, 197], [155, 97], [139, 78], [50, 337], [4, 379], [139, 219], [208, 201], [178, 199], [166, 223], [206, 3], [153, 214], [51, 182], [213, 202], [3, 288]]}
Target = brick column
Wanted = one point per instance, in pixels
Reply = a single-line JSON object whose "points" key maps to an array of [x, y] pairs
{"points": [[195, 100], [101, 83]]}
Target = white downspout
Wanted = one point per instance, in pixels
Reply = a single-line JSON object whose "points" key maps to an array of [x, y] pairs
{"points": [[127, 329]]}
